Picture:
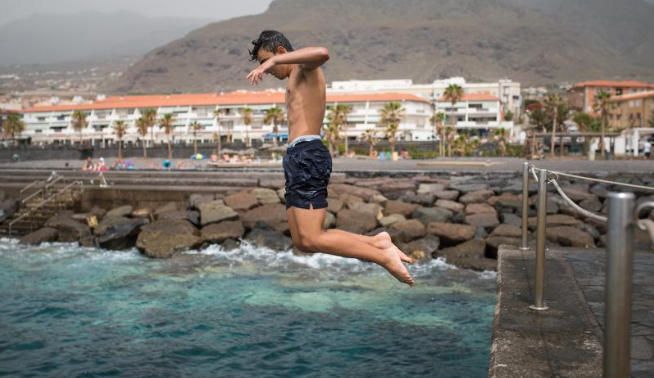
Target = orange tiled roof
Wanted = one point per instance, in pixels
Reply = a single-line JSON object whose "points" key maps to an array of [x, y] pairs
{"points": [[614, 83], [632, 96], [481, 96], [204, 99]]}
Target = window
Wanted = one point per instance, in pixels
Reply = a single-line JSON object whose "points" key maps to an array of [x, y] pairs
{"points": [[41, 119]]}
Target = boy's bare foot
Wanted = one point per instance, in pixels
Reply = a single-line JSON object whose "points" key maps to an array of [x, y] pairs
{"points": [[391, 262], [383, 240]]}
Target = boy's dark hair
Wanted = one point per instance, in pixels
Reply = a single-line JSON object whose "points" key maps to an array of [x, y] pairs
{"points": [[269, 40]]}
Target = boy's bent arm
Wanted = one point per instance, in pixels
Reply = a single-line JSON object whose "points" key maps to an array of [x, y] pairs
{"points": [[309, 57]]}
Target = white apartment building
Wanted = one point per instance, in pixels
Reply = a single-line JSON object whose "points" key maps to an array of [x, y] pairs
{"points": [[53, 123], [505, 94]]}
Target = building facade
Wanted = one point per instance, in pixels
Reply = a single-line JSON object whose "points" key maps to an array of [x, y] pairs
{"points": [[506, 93], [53, 123], [582, 95]]}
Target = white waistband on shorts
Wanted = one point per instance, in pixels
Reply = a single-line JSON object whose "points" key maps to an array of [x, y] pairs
{"points": [[303, 138]]}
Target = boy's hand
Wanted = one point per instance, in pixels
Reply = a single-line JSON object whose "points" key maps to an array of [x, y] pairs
{"points": [[256, 75]]}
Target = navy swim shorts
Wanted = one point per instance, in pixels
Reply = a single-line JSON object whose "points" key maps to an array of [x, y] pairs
{"points": [[307, 167]]}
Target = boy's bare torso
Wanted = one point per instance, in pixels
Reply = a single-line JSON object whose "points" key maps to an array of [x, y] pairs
{"points": [[305, 101]]}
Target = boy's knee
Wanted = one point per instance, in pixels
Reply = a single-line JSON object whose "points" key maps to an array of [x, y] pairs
{"points": [[307, 244]]}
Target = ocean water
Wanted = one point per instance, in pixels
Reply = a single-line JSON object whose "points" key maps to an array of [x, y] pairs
{"points": [[67, 311]]}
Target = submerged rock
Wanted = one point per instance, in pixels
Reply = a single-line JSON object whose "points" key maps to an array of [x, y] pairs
{"points": [[118, 233], [267, 237]]}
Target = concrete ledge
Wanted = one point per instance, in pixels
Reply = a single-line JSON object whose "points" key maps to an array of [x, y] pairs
{"points": [[563, 341]]}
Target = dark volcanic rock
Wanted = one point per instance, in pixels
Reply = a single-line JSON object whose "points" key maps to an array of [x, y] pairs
{"points": [[512, 219], [469, 255], [424, 199], [162, 239], [269, 238], [482, 220], [43, 235], [118, 233]]}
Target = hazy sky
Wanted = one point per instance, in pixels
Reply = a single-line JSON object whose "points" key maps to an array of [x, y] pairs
{"points": [[206, 9]]}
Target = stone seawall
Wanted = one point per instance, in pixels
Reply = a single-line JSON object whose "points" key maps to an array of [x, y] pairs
{"points": [[463, 218]]}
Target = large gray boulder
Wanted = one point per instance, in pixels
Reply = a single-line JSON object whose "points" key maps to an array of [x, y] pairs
{"points": [[428, 215], [216, 211], [118, 233], [163, 239], [219, 232], [408, 230], [355, 221], [43, 235], [70, 230], [469, 255], [194, 200], [424, 199], [451, 233], [273, 215], [192, 216]]}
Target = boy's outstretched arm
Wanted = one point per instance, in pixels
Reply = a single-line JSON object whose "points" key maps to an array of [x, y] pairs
{"points": [[308, 58]]}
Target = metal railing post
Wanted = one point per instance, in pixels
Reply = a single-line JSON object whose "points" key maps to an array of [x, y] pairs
{"points": [[525, 206], [539, 303], [618, 285]]}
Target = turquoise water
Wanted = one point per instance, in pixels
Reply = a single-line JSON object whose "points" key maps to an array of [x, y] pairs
{"points": [[76, 312]]}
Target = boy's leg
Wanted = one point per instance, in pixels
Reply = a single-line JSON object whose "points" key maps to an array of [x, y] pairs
{"points": [[381, 240], [310, 236]]}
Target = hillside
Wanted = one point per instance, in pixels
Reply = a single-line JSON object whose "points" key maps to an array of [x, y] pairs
{"points": [[533, 41]]}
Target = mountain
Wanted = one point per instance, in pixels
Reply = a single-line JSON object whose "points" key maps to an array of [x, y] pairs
{"points": [[57, 38], [532, 41]]}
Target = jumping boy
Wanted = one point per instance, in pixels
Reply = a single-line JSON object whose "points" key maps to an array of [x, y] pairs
{"points": [[307, 163]]}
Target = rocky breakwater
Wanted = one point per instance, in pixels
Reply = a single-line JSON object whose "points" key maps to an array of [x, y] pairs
{"points": [[463, 219]]}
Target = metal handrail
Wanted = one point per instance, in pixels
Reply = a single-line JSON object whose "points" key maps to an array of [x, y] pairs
{"points": [[44, 202], [623, 215], [46, 186], [29, 186]]}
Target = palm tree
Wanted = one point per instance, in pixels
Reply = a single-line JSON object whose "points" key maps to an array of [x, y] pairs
{"points": [[246, 113], [78, 120], [150, 116], [450, 135], [13, 126], [218, 113], [120, 128], [166, 123], [195, 126], [391, 115], [370, 137], [602, 106], [438, 119], [276, 116], [553, 104], [337, 119], [453, 94], [142, 128]]}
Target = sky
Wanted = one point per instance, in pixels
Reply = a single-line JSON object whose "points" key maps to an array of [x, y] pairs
{"points": [[205, 9]]}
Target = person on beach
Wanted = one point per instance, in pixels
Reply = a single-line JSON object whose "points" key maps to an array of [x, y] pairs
{"points": [[307, 163]]}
